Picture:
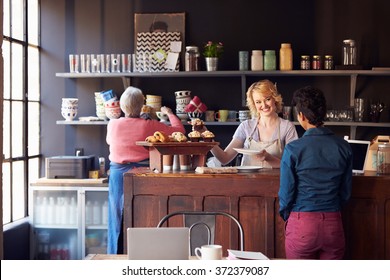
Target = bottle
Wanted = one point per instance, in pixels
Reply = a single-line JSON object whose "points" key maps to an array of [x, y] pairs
{"points": [[102, 167], [97, 215], [73, 211], [257, 60], [105, 213], [192, 58], [285, 57], [51, 211], [269, 60], [383, 159], [89, 213]]}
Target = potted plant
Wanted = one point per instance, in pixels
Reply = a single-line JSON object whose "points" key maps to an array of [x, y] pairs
{"points": [[212, 51]]}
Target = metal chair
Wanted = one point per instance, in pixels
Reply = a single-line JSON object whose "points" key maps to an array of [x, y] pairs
{"points": [[202, 226]]}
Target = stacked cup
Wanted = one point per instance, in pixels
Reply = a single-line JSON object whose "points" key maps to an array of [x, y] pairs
{"points": [[100, 110], [183, 98], [112, 107], [69, 108], [153, 101]]}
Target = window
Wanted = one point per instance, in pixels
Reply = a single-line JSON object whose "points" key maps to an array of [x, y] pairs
{"points": [[21, 113]]}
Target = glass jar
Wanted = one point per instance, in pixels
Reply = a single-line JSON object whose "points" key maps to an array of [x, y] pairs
{"points": [[269, 60], [328, 63], [257, 60], [349, 52], [316, 63], [383, 159], [191, 58], [305, 62], [285, 57]]}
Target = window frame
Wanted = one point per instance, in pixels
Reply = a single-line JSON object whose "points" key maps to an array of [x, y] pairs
{"points": [[25, 158]]}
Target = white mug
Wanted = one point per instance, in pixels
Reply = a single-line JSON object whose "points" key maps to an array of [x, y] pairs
{"points": [[209, 252]]}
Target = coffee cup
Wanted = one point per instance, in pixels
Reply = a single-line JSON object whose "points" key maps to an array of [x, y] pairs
{"points": [[244, 115], [222, 115], [167, 162], [210, 116], [209, 252], [232, 116]]}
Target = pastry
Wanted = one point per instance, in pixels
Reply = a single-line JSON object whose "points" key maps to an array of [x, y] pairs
{"points": [[161, 136], [207, 136], [197, 124], [151, 139], [179, 137], [194, 136]]}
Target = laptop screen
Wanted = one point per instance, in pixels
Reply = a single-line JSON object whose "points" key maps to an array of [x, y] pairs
{"points": [[359, 152]]}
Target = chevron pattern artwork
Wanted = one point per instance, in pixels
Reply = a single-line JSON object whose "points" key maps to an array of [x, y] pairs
{"points": [[152, 50]]}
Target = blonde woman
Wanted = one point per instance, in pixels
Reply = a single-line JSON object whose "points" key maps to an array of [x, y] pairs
{"points": [[266, 132]]}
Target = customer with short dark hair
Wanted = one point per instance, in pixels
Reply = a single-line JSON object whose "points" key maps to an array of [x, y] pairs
{"points": [[315, 183]]}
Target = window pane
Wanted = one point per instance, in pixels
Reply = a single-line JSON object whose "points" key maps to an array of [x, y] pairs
{"points": [[33, 74], [6, 130], [6, 24], [33, 21], [17, 129], [18, 190], [17, 19], [6, 193], [17, 71], [33, 165], [33, 128], [7, 69]]}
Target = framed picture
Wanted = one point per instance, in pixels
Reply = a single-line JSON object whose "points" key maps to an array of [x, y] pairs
{"points": [[153, 33]]}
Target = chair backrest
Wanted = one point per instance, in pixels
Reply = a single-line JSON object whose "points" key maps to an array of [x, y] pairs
{"points": [[202, 226]]}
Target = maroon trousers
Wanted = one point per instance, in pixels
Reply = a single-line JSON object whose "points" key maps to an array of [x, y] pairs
{"points": [[315, 235]]}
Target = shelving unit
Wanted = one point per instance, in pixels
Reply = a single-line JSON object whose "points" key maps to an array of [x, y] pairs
{"points": [[352, 74]]}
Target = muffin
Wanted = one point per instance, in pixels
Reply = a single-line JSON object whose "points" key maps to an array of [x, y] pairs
{"points": [[207, 136], [194, 136], [197, 124], [179, 137]]}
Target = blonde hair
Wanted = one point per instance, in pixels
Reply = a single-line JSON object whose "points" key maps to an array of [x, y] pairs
{"points": [[265, 88], [131, 102]]}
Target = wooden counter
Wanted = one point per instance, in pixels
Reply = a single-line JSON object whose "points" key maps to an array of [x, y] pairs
{"points": [[252, 198]]}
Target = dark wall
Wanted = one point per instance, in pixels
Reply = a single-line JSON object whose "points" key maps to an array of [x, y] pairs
{"points": [[311, 26]]}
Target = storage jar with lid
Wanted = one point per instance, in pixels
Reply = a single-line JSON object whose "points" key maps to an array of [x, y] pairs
{"points": [[305, 62], [316, 62], [383, 159], [285, 57], [349, 52], [191, 58], [328, 63], [257, 60], [269, 60]]}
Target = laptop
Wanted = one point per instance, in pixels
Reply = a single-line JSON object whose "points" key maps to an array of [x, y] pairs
{"points": [[165, 243], [359, 153]]}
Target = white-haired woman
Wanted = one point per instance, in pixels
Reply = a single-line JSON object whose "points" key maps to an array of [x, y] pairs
{"points": [[122, 135], [265, 132]]}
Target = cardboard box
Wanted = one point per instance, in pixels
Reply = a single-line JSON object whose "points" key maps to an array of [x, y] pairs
{"points": [[372, 153]]}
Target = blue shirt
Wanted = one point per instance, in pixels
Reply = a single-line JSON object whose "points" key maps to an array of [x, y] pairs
{"points": [[315, 173]]}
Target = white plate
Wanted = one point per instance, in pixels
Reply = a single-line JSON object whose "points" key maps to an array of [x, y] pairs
{"points": [[247, 151], [248, 169]]}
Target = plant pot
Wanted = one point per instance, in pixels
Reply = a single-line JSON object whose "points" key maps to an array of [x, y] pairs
{"points": [[211, 63]]}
